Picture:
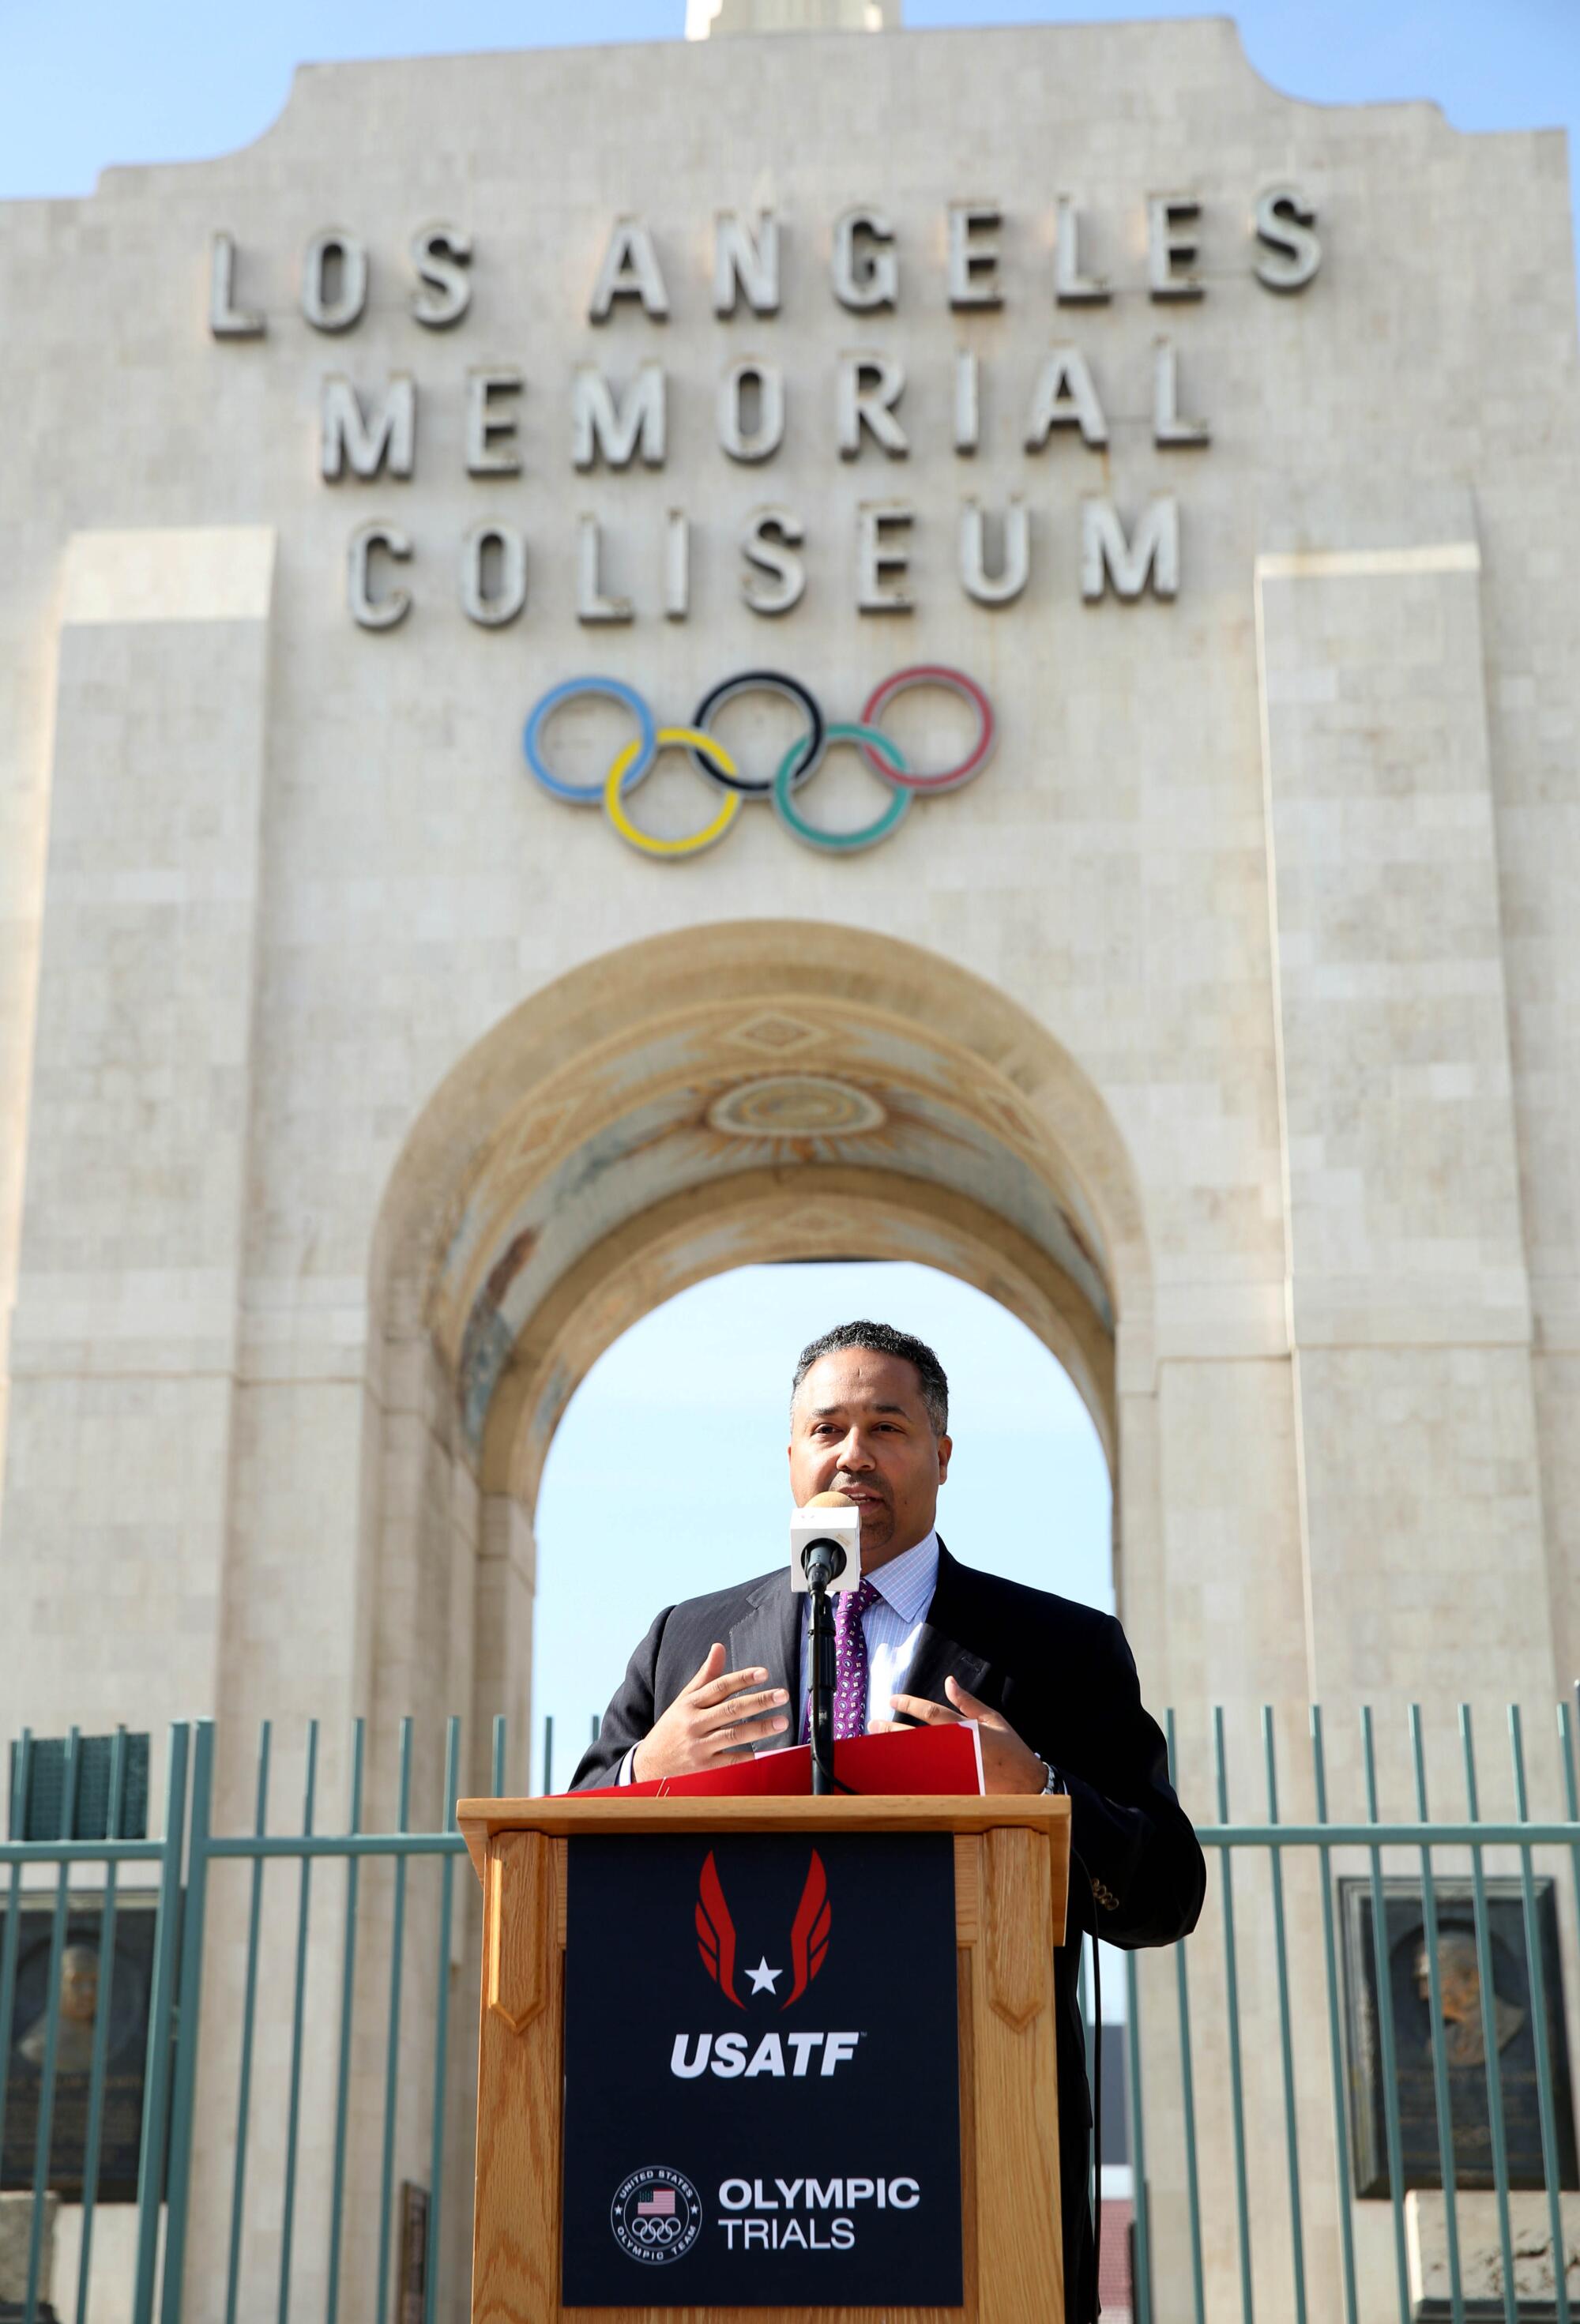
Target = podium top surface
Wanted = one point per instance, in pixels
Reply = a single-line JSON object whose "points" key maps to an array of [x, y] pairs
{"points": [[562, 1815]]}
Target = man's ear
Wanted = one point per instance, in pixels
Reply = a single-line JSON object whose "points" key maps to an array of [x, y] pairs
{"points": [[946, 1446]]}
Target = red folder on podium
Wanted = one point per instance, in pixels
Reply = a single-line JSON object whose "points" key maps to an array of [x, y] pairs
{"points": [[932, 1762]]}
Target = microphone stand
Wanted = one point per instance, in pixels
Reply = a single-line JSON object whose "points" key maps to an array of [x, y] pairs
{"points": [[823, 1562]]}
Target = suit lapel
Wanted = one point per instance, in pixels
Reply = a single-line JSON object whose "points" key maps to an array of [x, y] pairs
{"points": [[768, 1636], [939, 1653]]}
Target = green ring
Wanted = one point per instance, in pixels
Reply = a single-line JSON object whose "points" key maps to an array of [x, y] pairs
{"points": [[840, 842]]}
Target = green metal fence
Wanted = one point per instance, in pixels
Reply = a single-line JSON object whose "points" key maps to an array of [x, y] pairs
{"points": [[311, 1997]]}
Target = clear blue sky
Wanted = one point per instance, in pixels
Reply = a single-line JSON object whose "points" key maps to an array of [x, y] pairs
{"points": [[700, 1387]]}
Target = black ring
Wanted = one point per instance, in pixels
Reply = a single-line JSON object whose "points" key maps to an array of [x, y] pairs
{"points": [[766, 681]]}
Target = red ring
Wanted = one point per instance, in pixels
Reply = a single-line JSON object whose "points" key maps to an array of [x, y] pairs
{"points": [[956, 682]]}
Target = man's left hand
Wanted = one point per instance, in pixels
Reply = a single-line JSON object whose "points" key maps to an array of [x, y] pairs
{"points": [[1008, 1765]]}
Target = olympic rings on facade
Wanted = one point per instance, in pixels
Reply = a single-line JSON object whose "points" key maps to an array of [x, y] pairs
{"points": [[867, 739], [635, 761], [809, 750], [714, 761], [588, 794], [953, 681]]}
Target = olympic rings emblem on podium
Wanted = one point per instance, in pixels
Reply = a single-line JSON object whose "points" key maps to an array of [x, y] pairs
{"points": [[632, 765]]}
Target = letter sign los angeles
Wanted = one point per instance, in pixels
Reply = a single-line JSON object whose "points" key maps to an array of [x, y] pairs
{"points": [[736, 2057]]}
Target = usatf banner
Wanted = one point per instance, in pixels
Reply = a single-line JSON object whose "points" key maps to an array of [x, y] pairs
{"points": [[761, 2072]]}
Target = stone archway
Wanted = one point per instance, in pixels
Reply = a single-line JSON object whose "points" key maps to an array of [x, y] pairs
{"points": [[686, 1105]]}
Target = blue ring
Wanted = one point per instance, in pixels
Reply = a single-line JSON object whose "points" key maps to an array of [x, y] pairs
{"points": [[590, 794]]}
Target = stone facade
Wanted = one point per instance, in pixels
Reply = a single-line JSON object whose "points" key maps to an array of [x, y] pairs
{"points": [[356, 1090]]}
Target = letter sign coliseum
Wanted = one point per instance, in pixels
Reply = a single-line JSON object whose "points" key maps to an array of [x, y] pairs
{"points": [[632, 764]]}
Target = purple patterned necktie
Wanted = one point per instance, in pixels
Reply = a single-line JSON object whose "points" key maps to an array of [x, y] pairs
{"points": [[850, 1662]]}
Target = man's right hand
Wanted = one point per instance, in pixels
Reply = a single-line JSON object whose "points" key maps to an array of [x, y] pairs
{"points": [[711, 1721]]}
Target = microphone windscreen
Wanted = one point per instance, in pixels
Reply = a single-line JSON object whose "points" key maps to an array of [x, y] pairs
{"points": [[831, 1501]]}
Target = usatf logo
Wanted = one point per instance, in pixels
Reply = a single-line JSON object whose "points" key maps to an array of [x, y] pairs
{"points": [[809, 1936], [723, 779], [656, 2215]]}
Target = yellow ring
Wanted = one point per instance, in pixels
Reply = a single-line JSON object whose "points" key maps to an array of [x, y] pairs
{"points": [[670, 738]]}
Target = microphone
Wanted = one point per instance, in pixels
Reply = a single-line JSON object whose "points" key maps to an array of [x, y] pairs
{"points": [[826, 1545], [826, 1553]]}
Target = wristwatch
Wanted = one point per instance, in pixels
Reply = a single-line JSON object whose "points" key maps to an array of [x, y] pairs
{"points": [[1054, 1780]]}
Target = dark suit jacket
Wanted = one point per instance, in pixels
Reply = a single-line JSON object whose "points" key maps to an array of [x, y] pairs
{"points": [[1063, 1676]]}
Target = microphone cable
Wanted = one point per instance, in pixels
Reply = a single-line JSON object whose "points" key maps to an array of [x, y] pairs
{"points": [[1096, 2094]]}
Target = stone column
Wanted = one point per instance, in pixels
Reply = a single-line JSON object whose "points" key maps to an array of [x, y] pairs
{"points": [[502, 1681], [125, 1335], [1409, 1307]]}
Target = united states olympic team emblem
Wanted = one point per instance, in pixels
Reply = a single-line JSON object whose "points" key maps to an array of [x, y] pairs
{"points": [[717, 766], [656, 2215]]}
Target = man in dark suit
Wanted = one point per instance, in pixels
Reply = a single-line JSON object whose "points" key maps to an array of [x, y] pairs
{"points": [[926, 1640]]}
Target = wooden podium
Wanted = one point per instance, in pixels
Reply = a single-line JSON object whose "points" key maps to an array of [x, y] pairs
{"points": [[1011, 1861]]}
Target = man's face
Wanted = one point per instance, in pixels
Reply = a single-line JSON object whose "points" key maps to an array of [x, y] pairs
{"points": [[79, 1985], [1459, 1981], [858, 1427]]}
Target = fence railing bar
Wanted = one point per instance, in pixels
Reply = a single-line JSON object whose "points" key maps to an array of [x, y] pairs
{"points": [[547, 1755], [46, 2121], [1187, 2092], [19, 1774], [297, 2011], [1571, 1801], [1083, 2003], [100, 2063], [18, 1852], [1546, 2112], [1440, 2091], [498, 1784], [447, 1873], [1335, 2053], [343, 2075], [393, 2053], [184, 2082], [1509, 1834], [1286, 2035], [1232, 1988], [249, 2017], [1484, 1954], [1389, 2050], [1537, 1834], [1225, 1837], [1571, 1797], [8, 1949], [295, 1845], [1142, 2290], [150, 2160]]}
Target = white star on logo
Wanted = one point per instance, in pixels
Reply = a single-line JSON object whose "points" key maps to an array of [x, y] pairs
{"points": [[763, 1976]]}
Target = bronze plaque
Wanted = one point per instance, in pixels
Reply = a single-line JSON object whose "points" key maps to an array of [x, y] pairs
{"points": [[1465, 2043], [88, 1986]]}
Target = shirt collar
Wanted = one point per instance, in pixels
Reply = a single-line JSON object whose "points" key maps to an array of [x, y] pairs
{"points": [[907, 1582]]}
